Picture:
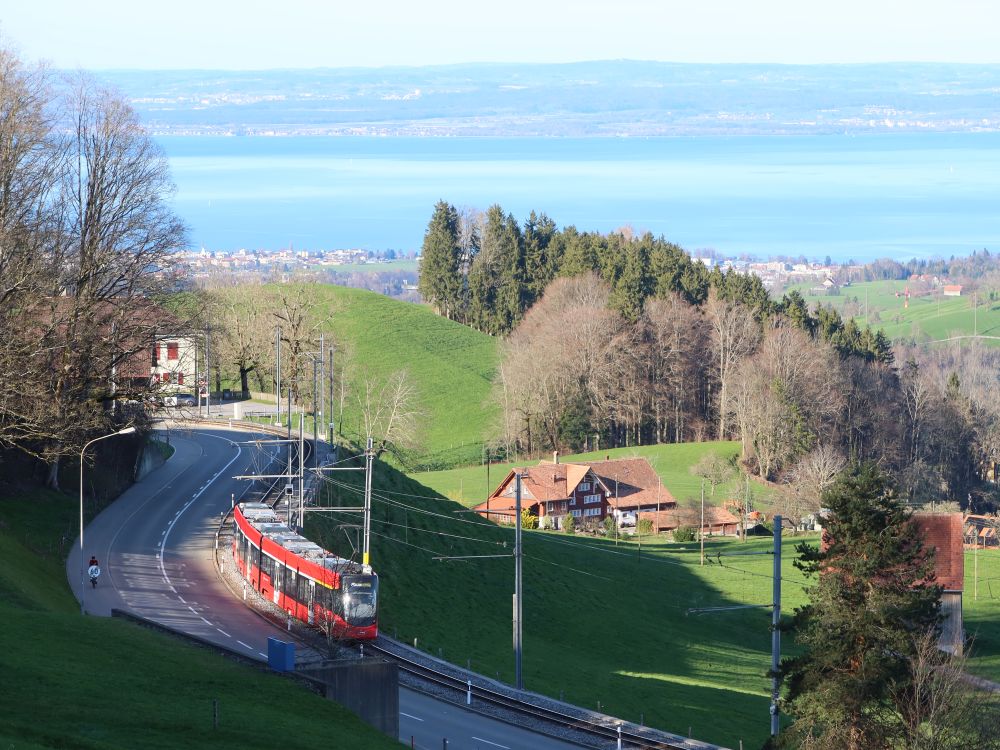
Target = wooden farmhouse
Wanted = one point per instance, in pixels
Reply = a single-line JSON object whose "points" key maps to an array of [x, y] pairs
{"points": [[620, 488]]}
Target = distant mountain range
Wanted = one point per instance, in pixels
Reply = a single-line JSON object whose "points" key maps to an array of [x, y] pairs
{"points": [[610, 98]]}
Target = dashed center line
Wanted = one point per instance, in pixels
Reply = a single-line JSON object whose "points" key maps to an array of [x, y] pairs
{"points": [[245, 645], [224, 632], [205, 621], [410, 716]]}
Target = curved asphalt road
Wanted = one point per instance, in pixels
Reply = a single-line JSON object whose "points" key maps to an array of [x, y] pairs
{"points": [[156, 543]]}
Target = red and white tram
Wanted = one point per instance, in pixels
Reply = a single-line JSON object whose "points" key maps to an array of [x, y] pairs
{"points": [[310, 584]]}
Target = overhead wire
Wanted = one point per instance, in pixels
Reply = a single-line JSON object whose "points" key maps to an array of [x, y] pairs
{"points": [[382, 496]]}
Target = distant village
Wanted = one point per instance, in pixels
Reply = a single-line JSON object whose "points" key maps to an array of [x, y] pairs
{"points": [[395, 272], [389, 272]]}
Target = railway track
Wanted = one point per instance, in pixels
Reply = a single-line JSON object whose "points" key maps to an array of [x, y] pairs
{"points": [[606, 729], [601, 731]]}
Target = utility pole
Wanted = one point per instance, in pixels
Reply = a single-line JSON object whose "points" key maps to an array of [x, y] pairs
{"points": [[775, 631], [322, 390], [330, 428], [369, 460], [315, 457], [518, 583], [277, 371], [208, 371], [197, 384], [302, 473], [701, 532], [775, 607]]}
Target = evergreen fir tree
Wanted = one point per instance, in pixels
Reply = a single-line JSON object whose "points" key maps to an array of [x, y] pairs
{"points": [[440, 265], [634, 283], [874, 592]]}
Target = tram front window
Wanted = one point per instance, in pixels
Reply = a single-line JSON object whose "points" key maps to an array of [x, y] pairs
{"points": [[360, 600]]}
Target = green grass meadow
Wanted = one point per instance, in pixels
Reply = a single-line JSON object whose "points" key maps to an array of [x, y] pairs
{"points": [[71, 681], [929, 317], [672, 462], [604, 623], [981, 608]]}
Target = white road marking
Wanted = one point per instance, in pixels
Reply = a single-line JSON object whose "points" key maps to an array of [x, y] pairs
{"points": [[205, 621], [245, 645], [224, 632], [181, 598], [262, 654], [410, 716], [192, 609], [495, 744], [166, 534]]}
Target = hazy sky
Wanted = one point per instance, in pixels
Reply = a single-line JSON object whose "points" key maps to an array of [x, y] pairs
{"points": [[332, 33]]}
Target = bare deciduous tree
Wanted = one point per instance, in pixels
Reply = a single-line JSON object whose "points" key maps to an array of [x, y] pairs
{"points": [[245, 335], [735, 334], [714, 469], [101, 230], [560, 355], [789, 392], [297, 310], [390, 413], [804, 483]]}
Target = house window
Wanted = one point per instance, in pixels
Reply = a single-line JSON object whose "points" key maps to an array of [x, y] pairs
{"points": [[180, 378], [584, 486], [576, 513], [591, 511], [591, 499], [548, 507], [562, 507], [165, 377], [172, 350], [156, 355], [572, 501]]}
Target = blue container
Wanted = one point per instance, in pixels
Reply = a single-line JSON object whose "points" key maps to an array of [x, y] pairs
{"points": [[280, 655]]}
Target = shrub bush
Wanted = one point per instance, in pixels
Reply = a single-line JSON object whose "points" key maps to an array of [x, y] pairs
{"points": [[685, 534]]}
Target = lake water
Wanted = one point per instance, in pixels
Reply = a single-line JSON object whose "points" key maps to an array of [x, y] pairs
{"points": [[861, 197]]}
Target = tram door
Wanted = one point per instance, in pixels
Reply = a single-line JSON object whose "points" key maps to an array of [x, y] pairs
{"points": [[312, 599]]}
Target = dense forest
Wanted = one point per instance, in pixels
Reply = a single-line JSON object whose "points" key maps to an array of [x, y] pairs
{"points": [[616, 340]]}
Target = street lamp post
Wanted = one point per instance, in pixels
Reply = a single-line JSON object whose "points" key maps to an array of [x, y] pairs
{"points": [[83, 565]]}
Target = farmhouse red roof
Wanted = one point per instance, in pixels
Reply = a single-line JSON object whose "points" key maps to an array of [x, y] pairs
{"points": [[943, 532], [688, 516], [630, 482]]}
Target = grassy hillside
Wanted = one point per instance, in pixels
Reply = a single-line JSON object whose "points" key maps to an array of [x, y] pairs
{"points": [[928, 317], [469, 485], [451, 365], [603, 622], [87, 682]]}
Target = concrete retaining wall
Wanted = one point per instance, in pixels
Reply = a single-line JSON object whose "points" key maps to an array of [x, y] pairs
{"points": [[150, 459], [369, 688]]}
